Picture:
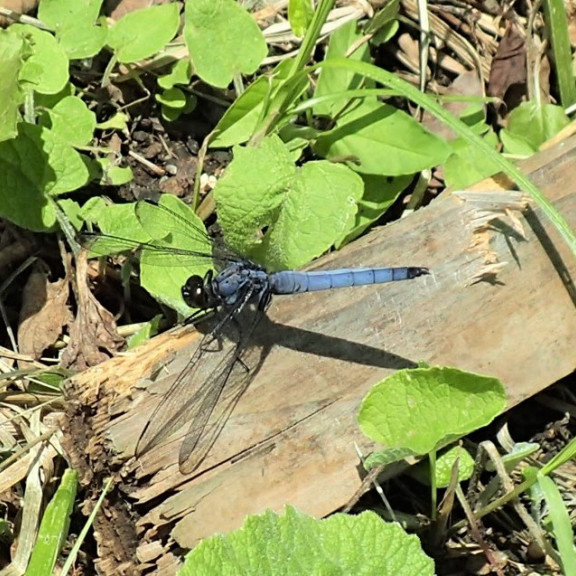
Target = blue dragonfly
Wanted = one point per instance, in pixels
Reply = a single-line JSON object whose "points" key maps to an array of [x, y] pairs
{"points": [[234, 285]]}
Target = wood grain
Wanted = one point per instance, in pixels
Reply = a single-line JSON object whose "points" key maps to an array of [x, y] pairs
{"points": [[291, 438]]}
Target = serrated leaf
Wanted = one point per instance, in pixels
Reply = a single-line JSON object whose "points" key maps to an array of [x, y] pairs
{"points": [[422, 408], [223, 41], [11, 61], [72, 121], [304, 210], [142, 33], [296, 544], [33, 166], [161, 274], [380, 139], [46, 70]]}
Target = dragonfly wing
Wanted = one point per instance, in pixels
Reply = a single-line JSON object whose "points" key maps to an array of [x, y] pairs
{"points": [[157, 254], [222, 391], [212, 408], [173, 411], [162, 221]]}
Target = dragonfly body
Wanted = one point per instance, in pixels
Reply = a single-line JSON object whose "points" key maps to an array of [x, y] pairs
{"points": [[204, 402], [246, 281]]}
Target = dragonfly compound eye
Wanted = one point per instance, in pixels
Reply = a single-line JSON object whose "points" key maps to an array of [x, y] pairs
{"points": [[194, 292]]}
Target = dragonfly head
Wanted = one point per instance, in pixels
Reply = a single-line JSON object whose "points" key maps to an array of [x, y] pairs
{"points": [[197, 293]]}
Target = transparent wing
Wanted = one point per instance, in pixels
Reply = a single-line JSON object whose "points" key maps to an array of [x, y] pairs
{"points": [[165, 233], [161, 221], [156, 254], [205, 404]]}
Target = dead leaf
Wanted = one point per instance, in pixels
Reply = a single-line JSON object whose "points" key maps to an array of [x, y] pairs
{"points": [[467, 84], [509, 64], [44, 312], [93, 334]]}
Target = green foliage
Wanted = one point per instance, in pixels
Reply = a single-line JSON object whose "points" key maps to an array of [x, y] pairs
{"points": [[300, 14], [443, 468], [142, 33], [71, 121], [530, 125], [224, 25], [45, 70], [303, 221], [36, 167], [12, 54], [75, 23], [426, 408], [54, 528], [129, 225], [295, 544]]}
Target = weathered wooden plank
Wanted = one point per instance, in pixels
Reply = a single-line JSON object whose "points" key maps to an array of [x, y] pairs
{"points": [[291, 436]]}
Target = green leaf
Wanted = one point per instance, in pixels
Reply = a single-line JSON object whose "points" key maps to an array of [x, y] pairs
{"points": [[262, 188], [180, 74], [444, 464], [384, 17], [380, 192], [240, 120], [165, 283], [561, 523], [533, 124], [161, 273], [149, 329], [300, 13], [47, 68], [12, 53], [386, 457], [74, 24], [296, 544], [83, 42], [54, 527], [468, 165], [172, 98], [116, 122], [142, 33], [116, 220], [380, 139], [59, 14], [332, 81], [223, 41], [117, 176], [34, 165], [422, 408], [72, 122], [73, 212]]}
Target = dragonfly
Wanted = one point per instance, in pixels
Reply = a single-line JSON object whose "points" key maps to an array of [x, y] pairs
{"points": [[231, 285]]}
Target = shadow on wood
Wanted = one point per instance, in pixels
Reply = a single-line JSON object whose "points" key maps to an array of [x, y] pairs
{"points": [[291, 437]]}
